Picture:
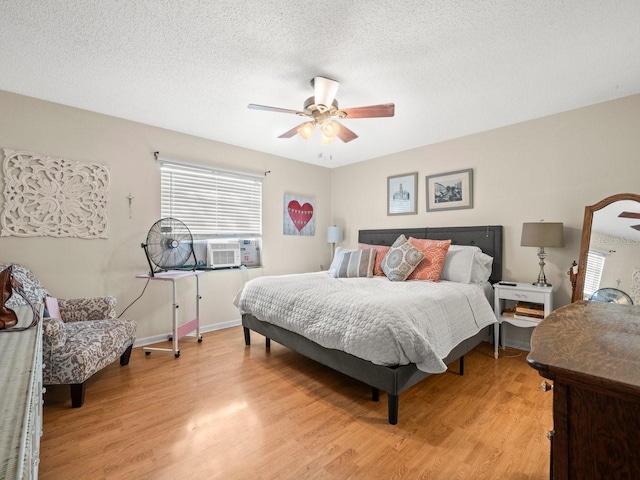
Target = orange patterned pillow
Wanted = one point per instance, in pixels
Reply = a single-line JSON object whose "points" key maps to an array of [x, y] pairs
{"points": [[381, 251], [435, 252]]}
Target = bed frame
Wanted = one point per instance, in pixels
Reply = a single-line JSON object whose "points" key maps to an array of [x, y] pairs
{"points": [[394, 379]]}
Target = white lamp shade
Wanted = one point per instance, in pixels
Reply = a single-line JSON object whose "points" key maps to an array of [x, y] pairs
{"points": [[542, 234], [334, 234]]}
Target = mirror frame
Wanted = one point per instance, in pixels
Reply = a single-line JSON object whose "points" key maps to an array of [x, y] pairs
{"points": [[586, 237]]}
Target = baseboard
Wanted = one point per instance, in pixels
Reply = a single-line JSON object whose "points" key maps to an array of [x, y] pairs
{"points": [[141, 342]]}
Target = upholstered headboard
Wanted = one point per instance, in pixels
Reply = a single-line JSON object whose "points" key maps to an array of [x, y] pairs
{"points": [[487, 237]]}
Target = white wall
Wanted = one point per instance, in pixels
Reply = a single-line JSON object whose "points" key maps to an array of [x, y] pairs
{"points": [[71, 267], [549, 168]]}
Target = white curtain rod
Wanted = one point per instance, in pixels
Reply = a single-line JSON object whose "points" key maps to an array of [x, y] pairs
{"points": [[208, 168]]}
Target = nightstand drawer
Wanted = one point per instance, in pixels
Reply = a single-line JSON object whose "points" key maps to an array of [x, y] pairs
{"points": [[536, 297]]}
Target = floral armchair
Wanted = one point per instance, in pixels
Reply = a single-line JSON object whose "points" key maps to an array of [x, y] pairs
{"points": [[86, 338]]}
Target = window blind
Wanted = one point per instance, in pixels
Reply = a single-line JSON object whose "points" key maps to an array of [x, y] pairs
{"points": [[210, 201], [593, 273]]}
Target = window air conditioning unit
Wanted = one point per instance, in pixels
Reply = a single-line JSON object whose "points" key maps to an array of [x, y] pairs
{"points": [[223, 253]]}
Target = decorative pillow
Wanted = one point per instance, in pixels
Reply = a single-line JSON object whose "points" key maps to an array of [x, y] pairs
{"points": [[466, 264], [337, 259], [382, 250], [401, 260], [52, 307], [434, 252], [357, 263]]}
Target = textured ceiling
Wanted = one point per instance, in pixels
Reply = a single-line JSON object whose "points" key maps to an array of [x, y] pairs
{"points": [[451, 67], [608, 222]]}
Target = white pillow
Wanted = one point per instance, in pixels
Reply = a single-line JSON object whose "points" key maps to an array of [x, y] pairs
{"points": [[337, 260], [466, 264]]}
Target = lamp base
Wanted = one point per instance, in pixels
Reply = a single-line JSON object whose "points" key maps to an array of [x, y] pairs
{"points": [[542, 279]]}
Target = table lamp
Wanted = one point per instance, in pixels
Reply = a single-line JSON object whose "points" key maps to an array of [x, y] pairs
{"points": [[334, 235], [541, 235]]}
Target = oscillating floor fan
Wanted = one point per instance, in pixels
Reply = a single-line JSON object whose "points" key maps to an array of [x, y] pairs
{"points": [[169, 245]]}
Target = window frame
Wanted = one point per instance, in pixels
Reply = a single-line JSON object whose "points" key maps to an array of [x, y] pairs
{"points": [[184, 195]]}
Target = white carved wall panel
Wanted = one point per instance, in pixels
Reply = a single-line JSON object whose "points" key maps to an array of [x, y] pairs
{"points": [[53, 197]]}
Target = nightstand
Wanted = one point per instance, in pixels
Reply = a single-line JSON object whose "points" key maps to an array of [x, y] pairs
{"points": [[506, 296]]}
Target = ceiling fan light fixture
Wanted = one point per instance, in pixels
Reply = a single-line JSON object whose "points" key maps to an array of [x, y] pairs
{"points": [[306, 130], [330, 128], [327, 140], [325, 91], [322, 107]]}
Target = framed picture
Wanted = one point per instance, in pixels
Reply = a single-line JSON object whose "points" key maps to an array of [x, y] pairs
{"points": [[402, 194], [450, 191], [298, 215]]}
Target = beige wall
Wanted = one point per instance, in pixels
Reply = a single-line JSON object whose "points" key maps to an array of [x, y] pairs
{"points": [[71, 267], [548, 168]]}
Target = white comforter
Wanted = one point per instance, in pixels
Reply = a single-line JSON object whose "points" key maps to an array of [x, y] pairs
{"points": [[386, 323]]}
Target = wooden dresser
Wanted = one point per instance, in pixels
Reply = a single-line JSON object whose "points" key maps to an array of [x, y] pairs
{"points": [[591, 351], [20, 401]]}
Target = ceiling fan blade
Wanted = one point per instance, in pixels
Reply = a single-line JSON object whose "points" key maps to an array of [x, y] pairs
{"points": [[345, 134], [636, 227], [292, 132], [383, 110], [629, 215], [253, 106], [324, 91]]}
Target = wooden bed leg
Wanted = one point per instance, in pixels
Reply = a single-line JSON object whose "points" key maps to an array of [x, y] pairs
{"points": [[393, 409], [247, 336], [375, 394], [461, 372], [267, 342]]}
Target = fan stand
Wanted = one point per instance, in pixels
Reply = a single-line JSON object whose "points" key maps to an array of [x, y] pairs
{"points": [[146, 253]]}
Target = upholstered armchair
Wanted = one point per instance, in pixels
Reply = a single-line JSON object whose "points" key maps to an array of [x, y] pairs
{"points": [[85, 338]]}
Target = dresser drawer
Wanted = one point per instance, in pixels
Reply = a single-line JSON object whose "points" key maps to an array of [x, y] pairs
{"points": [[519, 295]]}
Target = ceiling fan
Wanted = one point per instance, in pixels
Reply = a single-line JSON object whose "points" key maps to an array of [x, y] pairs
{"points": [[322, 108], [631, 215]]}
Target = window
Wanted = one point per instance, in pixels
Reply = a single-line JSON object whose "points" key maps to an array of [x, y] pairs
{"points": [[213, 203], [593, 273]]}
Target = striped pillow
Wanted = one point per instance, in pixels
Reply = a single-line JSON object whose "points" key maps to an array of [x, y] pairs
{"points": [[382, 251], [357, 263]]}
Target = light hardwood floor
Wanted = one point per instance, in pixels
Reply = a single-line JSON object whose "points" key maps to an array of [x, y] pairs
{"points": [[226, 411]]}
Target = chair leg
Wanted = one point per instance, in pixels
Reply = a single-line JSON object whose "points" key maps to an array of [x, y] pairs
{"points": [[124, 358], [77, 394]]}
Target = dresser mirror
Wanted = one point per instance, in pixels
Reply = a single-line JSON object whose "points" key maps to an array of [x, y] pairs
{"points": [[610, 251]]}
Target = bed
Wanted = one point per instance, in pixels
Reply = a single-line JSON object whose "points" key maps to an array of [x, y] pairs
{"points": [[392, 379]]}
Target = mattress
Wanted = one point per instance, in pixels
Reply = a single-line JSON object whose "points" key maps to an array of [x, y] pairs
{"points": [[386, 323]]}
